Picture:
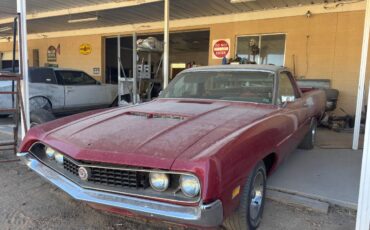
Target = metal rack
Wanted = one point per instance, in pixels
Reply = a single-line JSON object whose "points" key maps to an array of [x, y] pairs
{"points": [[16, 110]]}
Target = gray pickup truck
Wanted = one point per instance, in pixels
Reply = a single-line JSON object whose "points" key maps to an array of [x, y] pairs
{"points": [[56, 91]]}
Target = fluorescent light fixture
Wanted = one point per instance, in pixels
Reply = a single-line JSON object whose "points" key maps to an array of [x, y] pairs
{"points": [[3, 29], [240, 1], [83, 20]]}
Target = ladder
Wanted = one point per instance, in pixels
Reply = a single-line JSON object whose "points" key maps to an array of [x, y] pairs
{"points": [[16, 109]]}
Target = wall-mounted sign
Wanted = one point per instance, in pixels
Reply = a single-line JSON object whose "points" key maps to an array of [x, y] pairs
{"points": [[221, 48], [85, 49], [96, 70], [52, 54]]}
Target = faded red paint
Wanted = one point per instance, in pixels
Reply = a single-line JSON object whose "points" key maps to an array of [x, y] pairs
{"points": [[219, 141]]}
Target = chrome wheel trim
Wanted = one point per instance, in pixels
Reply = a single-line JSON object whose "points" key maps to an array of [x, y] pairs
{"points": [[313, 133], [257, 194]]}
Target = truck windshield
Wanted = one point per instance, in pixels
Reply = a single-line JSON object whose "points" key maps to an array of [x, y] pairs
{"points": [[249, 86]]}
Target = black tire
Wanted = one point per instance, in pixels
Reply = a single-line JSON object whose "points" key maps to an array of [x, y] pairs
{"points": [[243, 218], [308, 141], [40, 116], [114, 103]]}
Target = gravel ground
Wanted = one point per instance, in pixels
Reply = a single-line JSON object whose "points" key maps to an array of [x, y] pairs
{"points": [[28, 202]]}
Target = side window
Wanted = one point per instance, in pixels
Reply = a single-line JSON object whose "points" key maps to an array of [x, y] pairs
{"points": [[286, 92], [42, 75], [75, 78]]}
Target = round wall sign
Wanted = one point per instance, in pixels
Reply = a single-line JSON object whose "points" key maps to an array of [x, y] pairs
{"points": [[221, 49], [85, 49]]}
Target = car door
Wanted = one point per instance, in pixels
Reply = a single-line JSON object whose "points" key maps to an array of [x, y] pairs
{"points": [[293, 108], [43, 84], [81, 90]]}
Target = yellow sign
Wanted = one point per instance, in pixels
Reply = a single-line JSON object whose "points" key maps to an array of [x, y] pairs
{"points": [[85, 49]]}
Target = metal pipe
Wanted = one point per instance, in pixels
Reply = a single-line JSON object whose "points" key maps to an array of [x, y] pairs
{"points": [[23, 61], [134, 68], [166, 43], [119, 85], [15, 26], [362, 77]]}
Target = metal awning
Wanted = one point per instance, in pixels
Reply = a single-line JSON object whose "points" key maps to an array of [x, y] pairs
{"points": [[49, 16]]}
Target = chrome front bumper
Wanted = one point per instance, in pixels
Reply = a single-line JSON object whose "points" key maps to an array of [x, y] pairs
{"points": [[209, 215]]}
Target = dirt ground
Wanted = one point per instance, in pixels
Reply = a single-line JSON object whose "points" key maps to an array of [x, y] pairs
{"points": [[28, 202]]}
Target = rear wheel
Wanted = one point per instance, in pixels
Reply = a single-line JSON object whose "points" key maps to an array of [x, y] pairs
{"points": [[40, 116], [248, 216], [308, 141]]}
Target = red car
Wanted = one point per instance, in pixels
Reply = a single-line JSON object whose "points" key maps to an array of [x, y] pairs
{"points": [[197, 156]]}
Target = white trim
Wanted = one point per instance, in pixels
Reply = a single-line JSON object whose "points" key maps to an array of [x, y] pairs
{"points": [[363, 209], [201, 21], [362, 77]]}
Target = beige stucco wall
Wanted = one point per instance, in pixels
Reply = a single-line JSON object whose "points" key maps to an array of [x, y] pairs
{"points": [[324, 46], [70, 56]]}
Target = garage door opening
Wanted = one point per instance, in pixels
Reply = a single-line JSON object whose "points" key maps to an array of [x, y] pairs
{"points": [[187, 49]]}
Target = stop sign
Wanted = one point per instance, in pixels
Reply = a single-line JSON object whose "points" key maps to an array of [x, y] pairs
{"points": [[221, 49]]}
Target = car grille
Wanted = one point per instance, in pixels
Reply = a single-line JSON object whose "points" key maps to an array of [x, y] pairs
{"points": [[111, 177]]}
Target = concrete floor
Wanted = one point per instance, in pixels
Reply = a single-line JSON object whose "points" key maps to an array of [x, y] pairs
{"points": [[29, 202], [330, 175]]}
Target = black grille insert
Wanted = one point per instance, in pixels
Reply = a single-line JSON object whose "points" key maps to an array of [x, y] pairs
{"points": [[111, 177]]}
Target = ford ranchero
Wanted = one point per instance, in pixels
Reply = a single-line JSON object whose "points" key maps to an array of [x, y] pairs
{"points": [[197, 156]]}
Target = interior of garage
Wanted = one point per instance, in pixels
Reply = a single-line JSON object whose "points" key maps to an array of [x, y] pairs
{"points": [[189, 48]]}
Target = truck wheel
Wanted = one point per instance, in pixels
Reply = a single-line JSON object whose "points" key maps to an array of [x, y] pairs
{"points": [[40, 116], [308, 141], [248, 216], [40, 103]]}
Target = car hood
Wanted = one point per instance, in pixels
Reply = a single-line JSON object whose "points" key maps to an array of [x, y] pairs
{"points": [[159, 131]]}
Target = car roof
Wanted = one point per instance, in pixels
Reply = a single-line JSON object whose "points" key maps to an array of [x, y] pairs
{"points": [[271, 68]]}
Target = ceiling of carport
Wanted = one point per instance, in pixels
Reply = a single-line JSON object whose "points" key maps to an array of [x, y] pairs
{"points": [[150, 12]]}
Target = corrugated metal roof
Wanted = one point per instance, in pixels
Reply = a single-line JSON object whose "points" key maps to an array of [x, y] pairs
{"points": [[150, 12]]}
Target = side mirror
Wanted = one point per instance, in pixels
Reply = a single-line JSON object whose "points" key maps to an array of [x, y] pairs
{"points": [[284, 104]]}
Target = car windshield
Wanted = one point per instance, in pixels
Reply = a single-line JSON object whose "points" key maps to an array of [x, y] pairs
{"points": [[249, 86]]}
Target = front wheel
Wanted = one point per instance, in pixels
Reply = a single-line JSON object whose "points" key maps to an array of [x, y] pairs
{"points": [[248, 216], [309, 139]]}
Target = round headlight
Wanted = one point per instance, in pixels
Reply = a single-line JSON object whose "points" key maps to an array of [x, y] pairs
{"points": [[50, 152], [59, 158], [159, 181], [190, 185]]}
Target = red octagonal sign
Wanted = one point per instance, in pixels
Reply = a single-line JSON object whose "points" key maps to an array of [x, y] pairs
{"points": [[221, 49]]}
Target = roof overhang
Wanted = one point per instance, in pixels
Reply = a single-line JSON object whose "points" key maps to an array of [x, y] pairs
{"points": [[127, 16]]}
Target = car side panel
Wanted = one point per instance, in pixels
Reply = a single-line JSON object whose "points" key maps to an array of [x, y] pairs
{"points": [[53, 92]]}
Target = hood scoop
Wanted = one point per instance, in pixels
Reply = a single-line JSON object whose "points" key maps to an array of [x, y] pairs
{"points": [[157, 115]]}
